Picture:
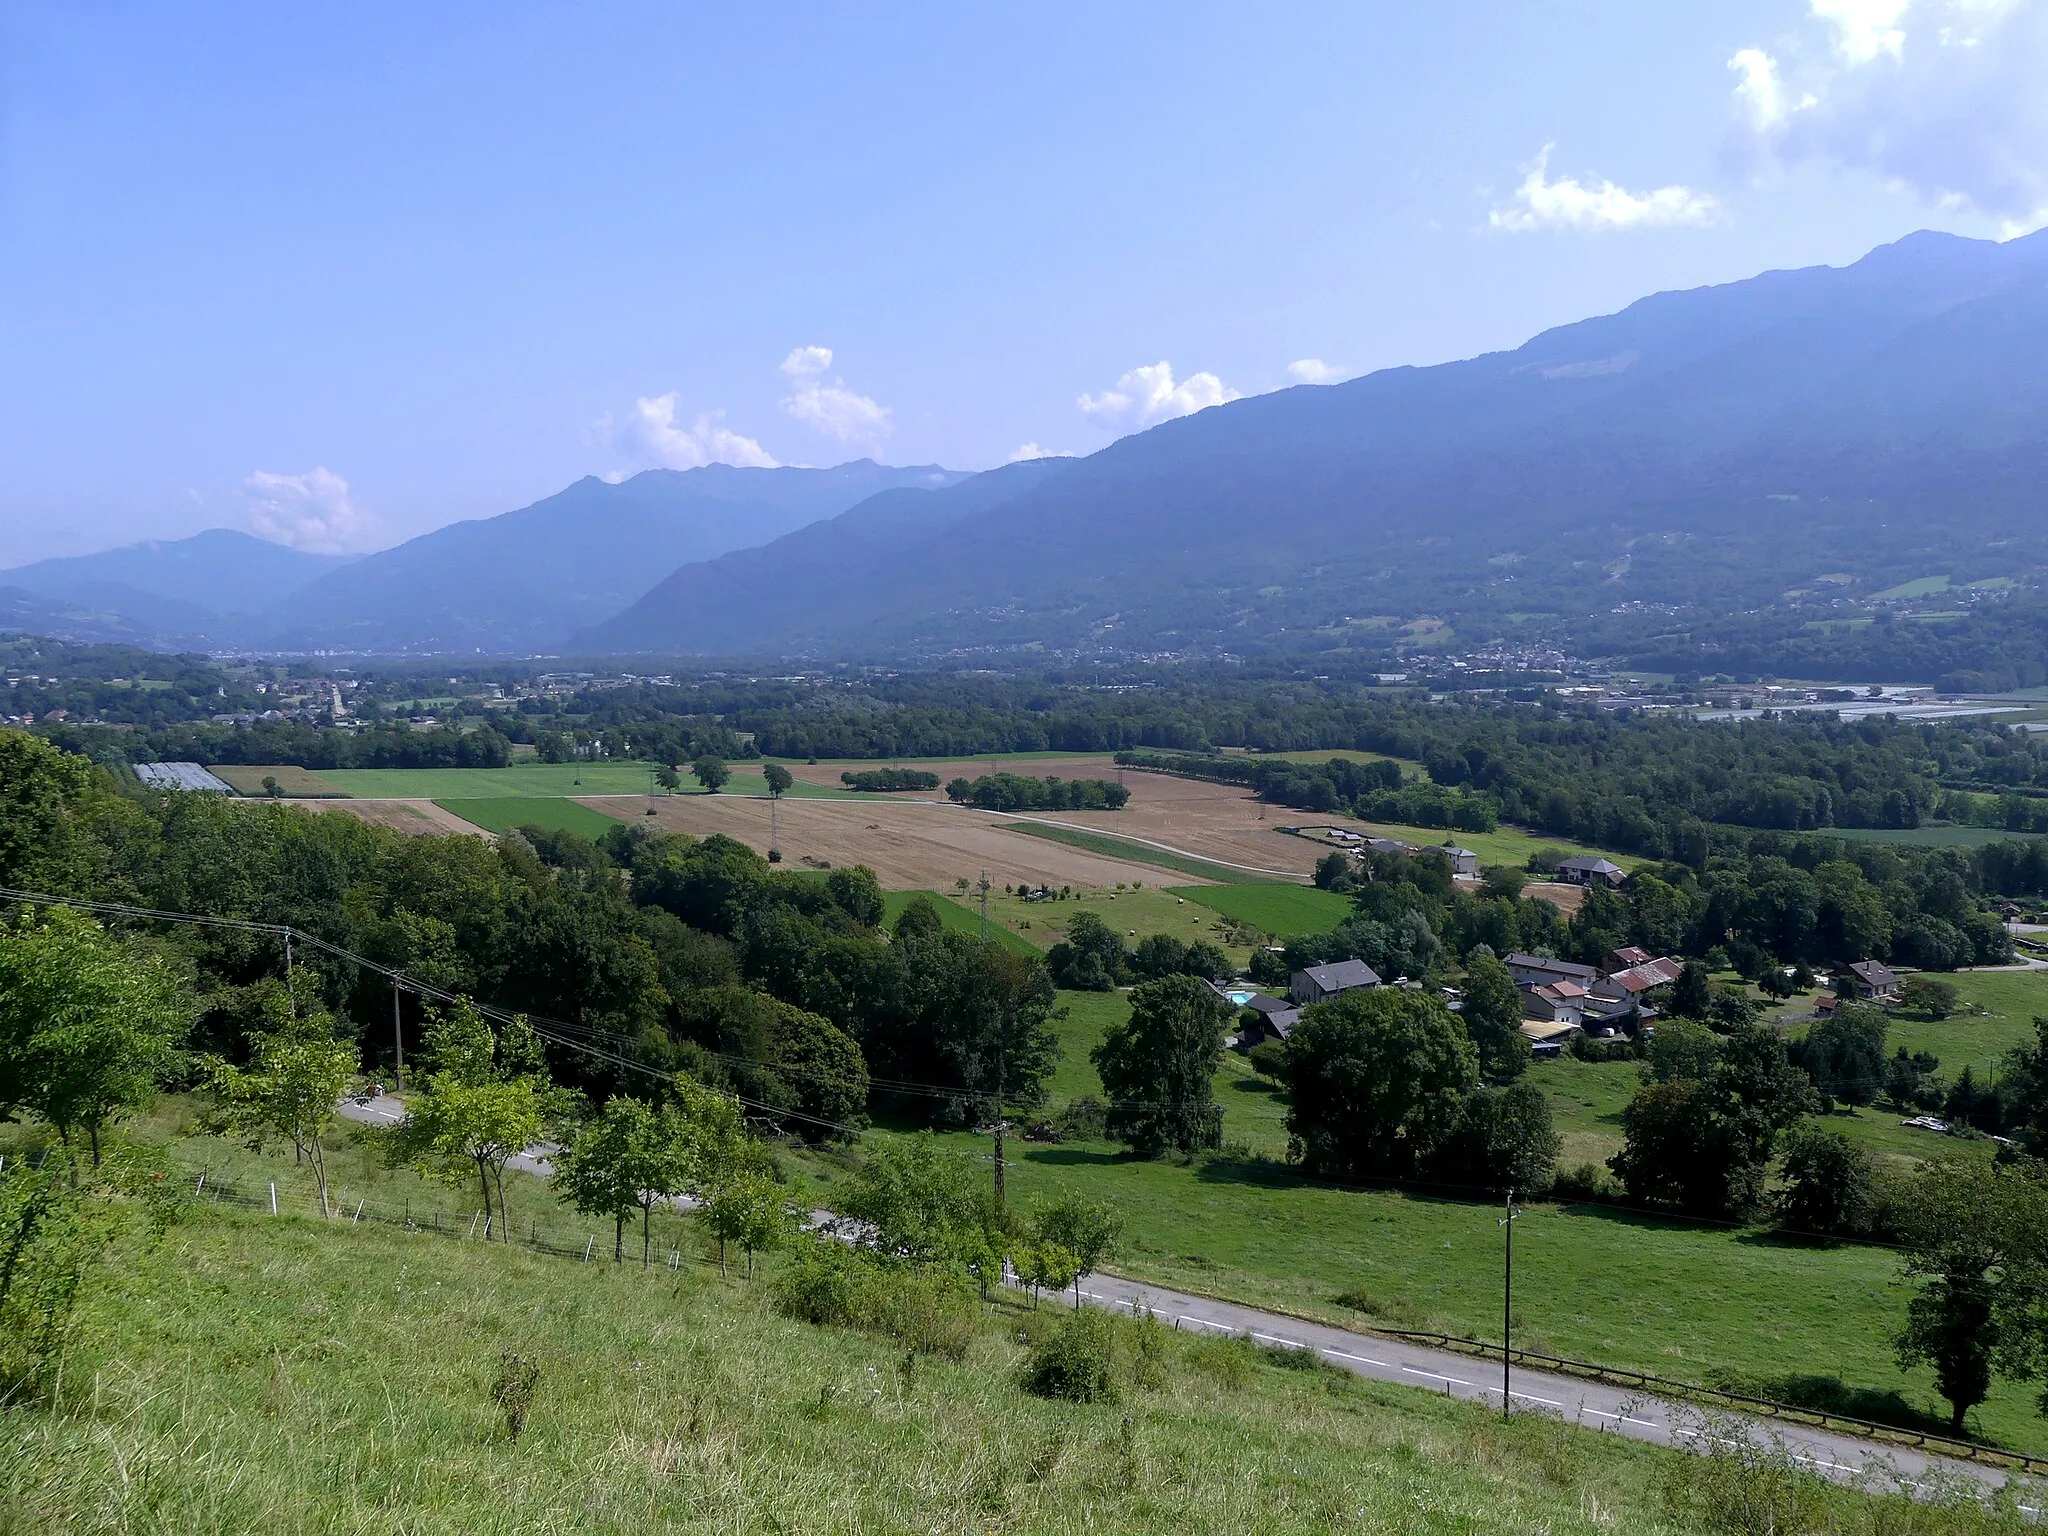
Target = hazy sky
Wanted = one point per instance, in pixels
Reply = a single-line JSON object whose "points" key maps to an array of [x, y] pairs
{"points": [[343, 273]]}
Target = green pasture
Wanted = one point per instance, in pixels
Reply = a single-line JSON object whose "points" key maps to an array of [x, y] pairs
{"points": [[1922, 586], [956, 918], [542, 780], [1286, 911], [1503, 845], [1133, 912], [500, 813], [258, 1373], [1928, 837]]}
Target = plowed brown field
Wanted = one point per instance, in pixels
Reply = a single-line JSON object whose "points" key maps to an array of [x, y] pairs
{"points": [[908, 846]]}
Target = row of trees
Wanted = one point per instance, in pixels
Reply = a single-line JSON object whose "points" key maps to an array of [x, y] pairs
{"points": [[1015, 792]]}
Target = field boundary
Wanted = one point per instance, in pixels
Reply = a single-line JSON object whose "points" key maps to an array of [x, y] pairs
{"points": [[1144, 851]]}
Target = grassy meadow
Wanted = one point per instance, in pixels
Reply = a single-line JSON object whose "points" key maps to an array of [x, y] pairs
{"points": [[256, 1374], [501, 813], [961, 916], [543, 780], [1285, 911]]}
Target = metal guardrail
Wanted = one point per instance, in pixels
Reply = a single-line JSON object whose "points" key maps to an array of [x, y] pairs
{"points": [[1819, 1418]]}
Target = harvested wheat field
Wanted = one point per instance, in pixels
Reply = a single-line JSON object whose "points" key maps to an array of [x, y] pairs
{"points": [[1566, 898], [1096, 766], [1211, 821], [908, 846], [247, 779], [414, 817]]}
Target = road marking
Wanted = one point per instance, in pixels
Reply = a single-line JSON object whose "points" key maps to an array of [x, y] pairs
{"points": [[1622, 1418], [1436, 1376], [1361, 1359]]}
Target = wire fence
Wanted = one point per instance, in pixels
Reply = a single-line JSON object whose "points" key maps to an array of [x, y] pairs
{"points": [[586, 1245]]}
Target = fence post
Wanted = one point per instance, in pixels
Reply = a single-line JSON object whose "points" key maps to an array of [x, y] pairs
{"points": [[273, 1199], [588, 1246], [359, 1213], [201, 1185], [479, 1216]]}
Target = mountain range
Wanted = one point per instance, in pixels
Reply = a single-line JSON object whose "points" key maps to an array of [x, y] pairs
{"points": [[1793, 437], [515, 584], [1718, 446]]}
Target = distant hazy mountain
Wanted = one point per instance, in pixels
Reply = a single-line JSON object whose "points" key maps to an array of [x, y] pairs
{"points": [[1887, 419], [197, 590], [820, 579], [524, 581]]}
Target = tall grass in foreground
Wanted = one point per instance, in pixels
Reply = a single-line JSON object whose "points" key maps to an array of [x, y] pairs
{"points": [[251, 1373]]}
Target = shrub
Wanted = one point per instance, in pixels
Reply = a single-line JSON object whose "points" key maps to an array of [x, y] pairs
{"points": [[828, 1284], [1587, 1181], [1076, 1362]]}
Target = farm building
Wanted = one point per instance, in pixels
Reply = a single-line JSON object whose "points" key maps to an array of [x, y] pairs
{"points": [[1463, 860], [1586, 869], [1868, 981], [1320, 983], [1540, 970], [1557, 1002]]}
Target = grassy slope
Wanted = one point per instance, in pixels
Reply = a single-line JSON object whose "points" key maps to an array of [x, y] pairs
{"points": [[541, 779], [1283, 910], [253, 1374], [503, 813], [1504, 845], [1132, 912], [957, 918]]}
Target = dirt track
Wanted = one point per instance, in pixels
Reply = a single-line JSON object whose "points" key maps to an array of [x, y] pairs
{"points": [[909, 846]]}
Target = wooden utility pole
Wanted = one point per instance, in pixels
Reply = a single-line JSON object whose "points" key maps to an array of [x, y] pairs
{"points": [[397, 1039], [984, 905]]}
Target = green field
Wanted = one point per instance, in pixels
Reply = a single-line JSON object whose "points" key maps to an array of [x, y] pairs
{"points": [[1929, 837], [1137, 853], [500, 813], [1504, 845], [1923, 586], [1285, 911], [251, 1373], [543, 780], [1132, 912], [956, 918]]}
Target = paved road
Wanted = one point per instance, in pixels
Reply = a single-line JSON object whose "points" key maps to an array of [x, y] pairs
{"points": [[1615, 1410], [385, 1110], [1840, 1457]]}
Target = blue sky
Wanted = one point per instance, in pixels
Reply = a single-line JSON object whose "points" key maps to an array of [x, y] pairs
{"points": [[342, 274]]}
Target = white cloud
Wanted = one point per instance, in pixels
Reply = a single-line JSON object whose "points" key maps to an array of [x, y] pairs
{"points": [[831, 408], [1864, 29], [1034, 451], [1941, 98], [1568, 203], [1313, 370], [312, 511], [1148, 395], [651, 434], [807, 362], [1760, 91]]}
